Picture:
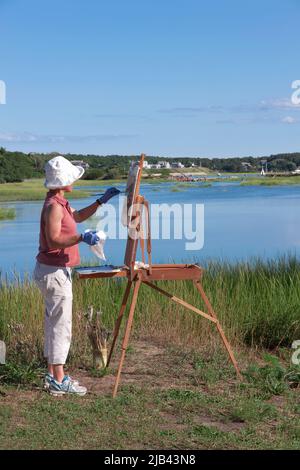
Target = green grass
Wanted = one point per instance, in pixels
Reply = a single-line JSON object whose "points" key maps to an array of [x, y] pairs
{"points": [[219, 414], [34, 190], [178, 187], [272, 181], [18, 374], [185, 397], [31, 190], [7, 213], [258, 304]]}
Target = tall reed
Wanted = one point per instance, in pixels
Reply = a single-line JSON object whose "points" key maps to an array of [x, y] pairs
{"points": [[258, 303]]}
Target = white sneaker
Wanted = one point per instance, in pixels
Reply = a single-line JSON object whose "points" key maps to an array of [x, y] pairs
{"points": [[66, 387], [48, 377]]}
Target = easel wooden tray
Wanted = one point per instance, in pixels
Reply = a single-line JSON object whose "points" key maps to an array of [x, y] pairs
{"points": [[159, 272]]}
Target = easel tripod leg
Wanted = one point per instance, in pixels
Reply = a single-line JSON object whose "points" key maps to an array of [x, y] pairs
{"points": [[119, 320], [127, 334], [220, 329]]}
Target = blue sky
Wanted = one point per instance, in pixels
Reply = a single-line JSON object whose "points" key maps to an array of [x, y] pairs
{"points": [[163, 77]]}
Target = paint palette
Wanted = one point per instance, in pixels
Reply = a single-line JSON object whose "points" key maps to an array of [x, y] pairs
{"points": [[107, 268]]}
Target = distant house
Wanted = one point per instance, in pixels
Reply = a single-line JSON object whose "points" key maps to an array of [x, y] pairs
{"points": [[154, 166], [150, 166], [161, 164], [177, 165], [164, 164], [84, 165]]}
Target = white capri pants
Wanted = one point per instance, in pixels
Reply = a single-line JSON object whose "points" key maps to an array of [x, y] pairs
{"points": [[55, 284]]}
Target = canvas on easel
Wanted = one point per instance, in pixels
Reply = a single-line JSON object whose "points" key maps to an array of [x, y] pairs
{"points": [[149, 273]]}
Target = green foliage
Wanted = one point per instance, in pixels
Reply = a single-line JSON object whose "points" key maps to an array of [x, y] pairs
{"points": [[252, 410], [32, 190], [271, 181], [17, 166], [166, 415], [18, 374], [281, 164], [7, 213], [257, 304], [93, 174], [273, 378], [114, 173]]}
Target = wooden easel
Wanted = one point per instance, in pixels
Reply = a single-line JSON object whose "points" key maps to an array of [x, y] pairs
{"points": [[147, 275]]}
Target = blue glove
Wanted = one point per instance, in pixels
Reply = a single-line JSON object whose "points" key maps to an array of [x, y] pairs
{"points": [[109, 193], [90, 237]]}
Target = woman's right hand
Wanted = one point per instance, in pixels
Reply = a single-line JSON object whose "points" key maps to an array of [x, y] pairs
{"points": [[90, 237]]}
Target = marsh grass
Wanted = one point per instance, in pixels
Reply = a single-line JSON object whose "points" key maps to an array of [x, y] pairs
{"points": [[34, 190], [6, 213], [271, 181], [30, 190], [258, 304], [176, 189]]}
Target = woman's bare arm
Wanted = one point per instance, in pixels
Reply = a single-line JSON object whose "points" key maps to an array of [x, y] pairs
{"points": [[85, 213], [53, 217]]}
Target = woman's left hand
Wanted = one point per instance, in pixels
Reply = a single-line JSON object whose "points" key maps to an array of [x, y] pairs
{"points": [[109, 193]]}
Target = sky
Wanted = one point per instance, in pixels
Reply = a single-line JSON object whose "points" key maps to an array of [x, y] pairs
{"points": [[162, 77]]}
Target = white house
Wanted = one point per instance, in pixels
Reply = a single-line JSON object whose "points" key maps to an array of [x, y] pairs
{"points": [[164, 164], [177, 165], [155, 166]]}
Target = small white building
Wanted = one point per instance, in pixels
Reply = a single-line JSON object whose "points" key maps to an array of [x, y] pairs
{"points": [[155, 166], [146, 164], [164, 164], [177, 165]]}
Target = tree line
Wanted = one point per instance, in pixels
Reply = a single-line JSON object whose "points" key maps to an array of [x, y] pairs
{"points": [[17, 166]]}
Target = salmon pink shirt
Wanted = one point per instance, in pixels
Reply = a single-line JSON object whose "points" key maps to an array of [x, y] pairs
{"points": [[58, 256]]}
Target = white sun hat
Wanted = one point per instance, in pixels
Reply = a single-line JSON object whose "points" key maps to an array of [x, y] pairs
{"points": [[60, 173]]}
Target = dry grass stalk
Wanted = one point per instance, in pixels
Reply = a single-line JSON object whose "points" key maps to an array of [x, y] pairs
{"points": [[98, 336]]}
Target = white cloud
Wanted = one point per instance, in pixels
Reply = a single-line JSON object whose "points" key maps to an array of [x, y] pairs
{"points": [[192, 110], [289, 120], [278, 103], [27, 137]]}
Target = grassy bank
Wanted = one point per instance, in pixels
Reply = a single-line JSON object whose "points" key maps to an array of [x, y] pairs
{"points": [[34, 190], [7, 213], [178, 390], [272, 181]]}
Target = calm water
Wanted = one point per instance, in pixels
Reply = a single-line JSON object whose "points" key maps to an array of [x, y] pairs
{"points": [[239, 223]]}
